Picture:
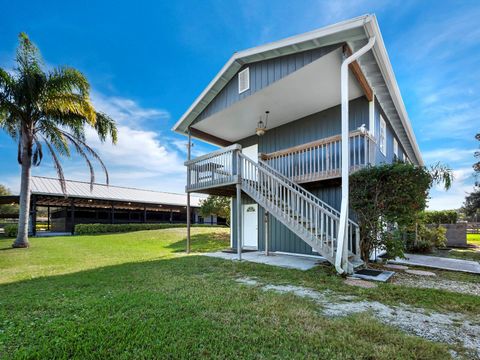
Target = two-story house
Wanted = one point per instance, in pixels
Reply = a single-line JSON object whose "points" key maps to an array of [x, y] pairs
{"points": [[286, 116]]}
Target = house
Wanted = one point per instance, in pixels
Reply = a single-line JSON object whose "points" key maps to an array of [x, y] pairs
{"points": [[105, 204], [292, 119]]}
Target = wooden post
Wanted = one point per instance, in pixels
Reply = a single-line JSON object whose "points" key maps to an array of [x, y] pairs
{"points": [[48, 218], [34, 215], [112, 220], [144, 214], [189, 145], [266, 233], [72, 216]]}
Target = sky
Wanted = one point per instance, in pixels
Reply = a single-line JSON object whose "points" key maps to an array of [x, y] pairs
{"points": [[147, 61]]}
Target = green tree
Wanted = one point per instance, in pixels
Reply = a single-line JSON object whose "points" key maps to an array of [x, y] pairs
{"points": [[216, 205], [47, 109], [7, 208], [471, 206], [390, 194]]}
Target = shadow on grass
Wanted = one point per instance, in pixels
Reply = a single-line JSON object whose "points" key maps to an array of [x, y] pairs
{"points": [[183, 307], [207, 242]]}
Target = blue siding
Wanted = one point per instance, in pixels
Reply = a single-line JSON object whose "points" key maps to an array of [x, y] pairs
{"points": [[262, 74], [317, 126]]}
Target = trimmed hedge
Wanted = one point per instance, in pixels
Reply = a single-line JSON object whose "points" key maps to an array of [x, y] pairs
{"points": [[89, 229], [11, 230], [440, 217]]}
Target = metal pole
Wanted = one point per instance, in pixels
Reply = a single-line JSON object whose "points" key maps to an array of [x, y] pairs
{"points": [[239, 207], [48, 218], [188, 193], [72, 216], [34, 216]]}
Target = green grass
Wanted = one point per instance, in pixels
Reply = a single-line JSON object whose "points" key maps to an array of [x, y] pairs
{"points": [[137, 295], [473, 239]]}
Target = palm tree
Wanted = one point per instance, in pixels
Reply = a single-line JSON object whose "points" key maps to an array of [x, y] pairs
{"points": [[48, 109]]}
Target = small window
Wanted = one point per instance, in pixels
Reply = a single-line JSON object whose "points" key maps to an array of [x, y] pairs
{"points": [[244, 80], [395, 148], [383, 136]]}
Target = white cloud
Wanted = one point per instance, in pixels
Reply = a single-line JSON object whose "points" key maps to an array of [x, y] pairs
{"points": [[453, 198], [446, 155]]}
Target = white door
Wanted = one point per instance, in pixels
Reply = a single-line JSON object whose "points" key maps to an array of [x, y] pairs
{"points": [[250, 226]]}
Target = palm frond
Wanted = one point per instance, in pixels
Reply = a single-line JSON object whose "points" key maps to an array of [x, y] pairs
{"points": [[58, 168], [105, 126], [78, 147]]}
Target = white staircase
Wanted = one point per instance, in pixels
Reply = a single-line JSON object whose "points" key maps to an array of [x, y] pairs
{"points": [[314, 221]]}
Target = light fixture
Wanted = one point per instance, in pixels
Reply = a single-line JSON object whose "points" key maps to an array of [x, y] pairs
{"points": [[261, 126]]}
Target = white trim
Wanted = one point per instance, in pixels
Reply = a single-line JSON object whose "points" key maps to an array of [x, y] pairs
{"points": [[395, 148], [382, 136], [371, 117]]}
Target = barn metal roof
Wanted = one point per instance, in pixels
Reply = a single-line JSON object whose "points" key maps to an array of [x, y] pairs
{"points": [[79, 189]]}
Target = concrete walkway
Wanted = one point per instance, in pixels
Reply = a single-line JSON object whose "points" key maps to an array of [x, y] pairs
{"points": [[281, 260], [436, 262]]}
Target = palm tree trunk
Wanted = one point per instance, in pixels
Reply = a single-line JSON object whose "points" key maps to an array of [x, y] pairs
{"points": [[24, 213]]}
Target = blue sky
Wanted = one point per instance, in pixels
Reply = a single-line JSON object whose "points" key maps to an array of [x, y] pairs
{"points": [[148, 60]]}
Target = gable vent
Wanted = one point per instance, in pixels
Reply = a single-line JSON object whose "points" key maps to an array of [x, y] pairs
{"points": [[244, 80]]}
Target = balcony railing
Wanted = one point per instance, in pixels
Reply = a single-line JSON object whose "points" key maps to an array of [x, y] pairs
{"points": [[214, 169], [321, 159]]}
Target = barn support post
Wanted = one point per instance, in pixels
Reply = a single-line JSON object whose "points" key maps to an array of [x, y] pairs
{"points": [[72, 216], [189, 146], [144, 214], [48, 218], [113, 214], [34, 215]]}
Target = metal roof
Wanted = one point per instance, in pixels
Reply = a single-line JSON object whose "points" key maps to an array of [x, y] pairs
{"points": [[79, 189], [376, 67]]}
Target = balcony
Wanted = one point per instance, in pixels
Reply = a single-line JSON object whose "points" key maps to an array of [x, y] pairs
{"points": [[321, 159], [217, 172]]}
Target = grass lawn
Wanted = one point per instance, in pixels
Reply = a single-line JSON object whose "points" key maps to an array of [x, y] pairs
{"points": [[473, 239], [136, 296], [471, 253]]}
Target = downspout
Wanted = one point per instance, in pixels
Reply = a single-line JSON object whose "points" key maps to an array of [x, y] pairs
{"points": [[342, 251]]}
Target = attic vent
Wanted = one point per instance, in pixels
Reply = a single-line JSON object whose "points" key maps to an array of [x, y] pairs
{"points": [[244, 80]]}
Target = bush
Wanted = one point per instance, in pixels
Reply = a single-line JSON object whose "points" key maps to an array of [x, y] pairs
{"points": [[11, 230], [440, 217], [427, 238], [89, 229]]}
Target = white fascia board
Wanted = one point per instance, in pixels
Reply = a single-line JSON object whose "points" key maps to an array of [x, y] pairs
{"points": [[381, 55], [237, 57]]}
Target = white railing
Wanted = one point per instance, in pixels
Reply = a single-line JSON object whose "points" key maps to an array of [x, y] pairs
{"points": [[311, 219], [321, 159], [213, 169]]}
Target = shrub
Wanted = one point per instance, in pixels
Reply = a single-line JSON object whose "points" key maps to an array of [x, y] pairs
{"points": [[89, 229], [11, 230], [426, 238], [440, 217]]}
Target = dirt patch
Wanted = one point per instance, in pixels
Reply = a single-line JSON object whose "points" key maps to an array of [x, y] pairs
{"points": [[450, 328]]}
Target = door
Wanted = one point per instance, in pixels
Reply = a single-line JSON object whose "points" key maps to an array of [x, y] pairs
{"points": [[250, 226]]}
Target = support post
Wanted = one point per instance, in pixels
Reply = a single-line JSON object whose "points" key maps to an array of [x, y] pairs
{"points": [[72, 216], [189, 146], [34, 215], [48, 218], [113, 214], [144, 214], [266, 234], [341, 258], [239, 206], [171, 216]]}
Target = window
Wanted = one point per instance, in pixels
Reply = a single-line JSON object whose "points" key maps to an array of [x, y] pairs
{"points": [[383, 136], [395, 149], [244, 80]]}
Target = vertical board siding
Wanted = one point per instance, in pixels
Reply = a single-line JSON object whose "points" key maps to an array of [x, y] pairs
{"points": [[262, 74]]}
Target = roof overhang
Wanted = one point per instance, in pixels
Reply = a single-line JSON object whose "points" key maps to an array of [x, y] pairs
{"points": [[356, 32]]}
